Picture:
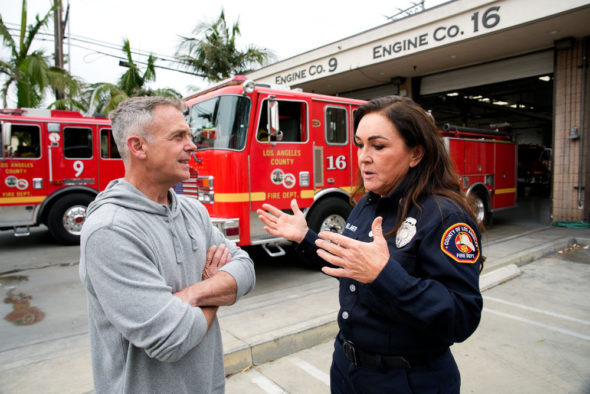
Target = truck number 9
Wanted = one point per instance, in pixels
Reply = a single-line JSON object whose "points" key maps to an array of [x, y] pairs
{"points": [[78, 167]]}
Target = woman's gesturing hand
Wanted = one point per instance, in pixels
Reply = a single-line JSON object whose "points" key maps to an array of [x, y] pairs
{"points": [[281, 224], [362, 261]]}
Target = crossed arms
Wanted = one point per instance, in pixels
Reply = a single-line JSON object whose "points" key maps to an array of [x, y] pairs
{"points": [[217, 288]]}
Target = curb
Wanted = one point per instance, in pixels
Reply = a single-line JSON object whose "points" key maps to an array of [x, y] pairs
{"points": [[498, 276], [533, 253], [243, 359]]}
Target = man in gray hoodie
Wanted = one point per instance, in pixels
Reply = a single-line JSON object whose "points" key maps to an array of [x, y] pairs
{"points": [[154, 267]]}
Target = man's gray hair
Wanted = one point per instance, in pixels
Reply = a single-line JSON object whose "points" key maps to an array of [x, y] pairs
{"points": [[132, 117]]}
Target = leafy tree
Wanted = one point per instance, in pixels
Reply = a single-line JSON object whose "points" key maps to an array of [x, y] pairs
{"points": [[30, 71], [212, 51], [104, 97]]}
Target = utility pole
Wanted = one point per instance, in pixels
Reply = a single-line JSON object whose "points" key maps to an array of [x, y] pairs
{"points": [[59, 33]]}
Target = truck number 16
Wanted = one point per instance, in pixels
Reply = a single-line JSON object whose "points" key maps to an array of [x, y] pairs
{"points": [[338, 164]]}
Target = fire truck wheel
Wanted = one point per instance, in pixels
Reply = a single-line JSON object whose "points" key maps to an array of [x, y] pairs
{"points": [[482, 214], [67, 216], [329, 215]]}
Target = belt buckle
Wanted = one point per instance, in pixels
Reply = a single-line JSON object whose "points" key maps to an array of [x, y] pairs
{"points": [[350, 352]]}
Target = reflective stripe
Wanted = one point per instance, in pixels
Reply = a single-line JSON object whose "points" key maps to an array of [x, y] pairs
{"points": [[307, 193], [21, 200], [505, 191], [261, 196], [239, 197]]}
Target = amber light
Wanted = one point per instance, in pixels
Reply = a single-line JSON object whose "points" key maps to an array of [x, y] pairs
{"points": [[205, 182]]}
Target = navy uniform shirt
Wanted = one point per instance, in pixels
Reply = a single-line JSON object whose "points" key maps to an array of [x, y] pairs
{"points": [[427, 296]]}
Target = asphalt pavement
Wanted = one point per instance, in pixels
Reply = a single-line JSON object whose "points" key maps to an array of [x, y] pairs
{"points": [[44, 344]]}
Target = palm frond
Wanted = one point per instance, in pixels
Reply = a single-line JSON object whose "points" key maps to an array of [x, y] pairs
{"points": [[212, 51]]}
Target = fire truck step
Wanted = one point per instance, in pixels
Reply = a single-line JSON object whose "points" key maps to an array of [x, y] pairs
{"points": [[22, 231], [280, 251]]}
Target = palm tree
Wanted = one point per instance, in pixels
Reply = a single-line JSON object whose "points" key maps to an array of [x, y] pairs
{"points": [[132, 81], [30, 72], [212, 51], [104, 97], [69, 88]]}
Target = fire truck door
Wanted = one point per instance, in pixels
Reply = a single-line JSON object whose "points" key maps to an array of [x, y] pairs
{"points": [[22, 174], [71, 156], [281, 162], [110, 165], [333, 156]]}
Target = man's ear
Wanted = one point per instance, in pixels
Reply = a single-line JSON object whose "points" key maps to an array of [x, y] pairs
{"points": [[417, 154], [135, 146]]}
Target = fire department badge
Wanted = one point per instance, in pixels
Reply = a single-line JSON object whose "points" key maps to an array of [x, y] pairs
{"points": [[406, 232], [459, 242]]}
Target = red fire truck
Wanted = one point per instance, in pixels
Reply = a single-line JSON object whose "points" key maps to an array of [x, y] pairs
{"points": [[52, 165], [256, 144], [486, 163]]}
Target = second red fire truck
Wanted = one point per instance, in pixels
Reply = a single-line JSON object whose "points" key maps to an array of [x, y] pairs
{"points": [[52, 165]]}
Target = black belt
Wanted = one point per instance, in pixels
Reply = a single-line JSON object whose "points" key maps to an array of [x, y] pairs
{"points": [[359, 357]]}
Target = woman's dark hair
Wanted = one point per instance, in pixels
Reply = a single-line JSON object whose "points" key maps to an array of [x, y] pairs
{"points": [[435, 174]]}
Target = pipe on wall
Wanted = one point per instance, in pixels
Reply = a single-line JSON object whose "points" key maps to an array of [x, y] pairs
{"points": [[582, 123]]}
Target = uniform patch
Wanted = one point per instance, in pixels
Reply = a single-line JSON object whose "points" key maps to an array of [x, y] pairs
{"points": [[406, 232], [460, 243]]}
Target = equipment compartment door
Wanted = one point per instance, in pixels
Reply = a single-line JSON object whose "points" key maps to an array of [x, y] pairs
{"points": [[505, 171]]}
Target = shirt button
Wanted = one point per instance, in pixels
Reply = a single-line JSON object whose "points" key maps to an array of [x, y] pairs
{"points": [[352, 288], [345, 315]]}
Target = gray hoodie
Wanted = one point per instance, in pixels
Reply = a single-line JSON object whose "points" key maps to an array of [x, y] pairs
{"points": [[134, 254]]}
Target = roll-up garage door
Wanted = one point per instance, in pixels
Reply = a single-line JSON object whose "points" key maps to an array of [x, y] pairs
{"points": [[503, 70]]}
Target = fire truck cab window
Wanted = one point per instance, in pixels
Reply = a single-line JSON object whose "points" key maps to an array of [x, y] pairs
{"points": [[336, 126], [292, 120], [108, 147], [77, 143], [25, 142], [220, 123]]}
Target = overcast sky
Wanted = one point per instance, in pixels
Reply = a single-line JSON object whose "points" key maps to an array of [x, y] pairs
{"points": [[285, 28]]}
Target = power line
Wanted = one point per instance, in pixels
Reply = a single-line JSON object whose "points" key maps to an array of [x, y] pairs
{"points": [[98, 43], [135, 61]]}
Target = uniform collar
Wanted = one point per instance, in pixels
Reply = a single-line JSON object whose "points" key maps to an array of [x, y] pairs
{"points": [[395, 196]]}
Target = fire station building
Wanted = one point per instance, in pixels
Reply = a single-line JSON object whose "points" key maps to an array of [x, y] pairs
{"points": [[519, 66]]}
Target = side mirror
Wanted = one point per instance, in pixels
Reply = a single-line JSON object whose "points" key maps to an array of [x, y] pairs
{"points": [[273, 117], [6, 138]]}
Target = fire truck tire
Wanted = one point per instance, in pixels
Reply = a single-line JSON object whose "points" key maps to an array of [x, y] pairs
{"points": [[329, 215], [482, 213], [66, 217]]}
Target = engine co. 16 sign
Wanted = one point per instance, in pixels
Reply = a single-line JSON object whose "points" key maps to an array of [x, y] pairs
{"points": [[487, 19]]}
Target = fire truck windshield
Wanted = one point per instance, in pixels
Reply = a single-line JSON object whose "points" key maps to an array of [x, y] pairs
{"points": [[220, 122]]}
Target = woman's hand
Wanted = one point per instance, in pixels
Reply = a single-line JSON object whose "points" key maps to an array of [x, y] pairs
{"points": [[281, 224], [361, 261]]}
